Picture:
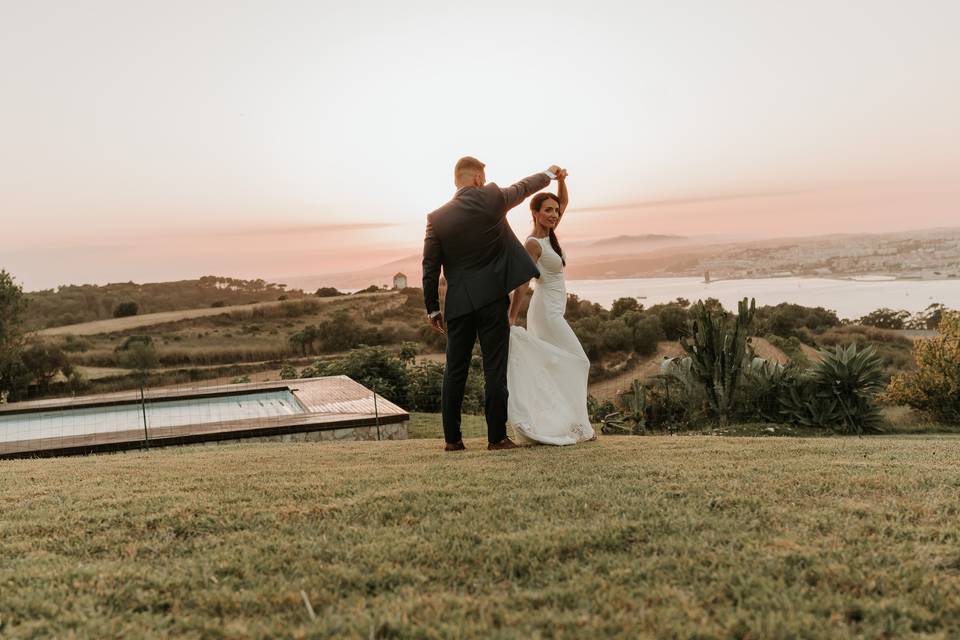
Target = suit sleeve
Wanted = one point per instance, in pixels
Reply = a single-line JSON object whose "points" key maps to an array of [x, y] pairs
{"points": [[432, 262], [517, 193]]}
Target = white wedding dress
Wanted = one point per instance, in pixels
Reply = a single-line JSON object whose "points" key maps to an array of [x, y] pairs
{"points": [[548, 369]]}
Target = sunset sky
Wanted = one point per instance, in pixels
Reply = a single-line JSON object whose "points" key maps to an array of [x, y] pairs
{"points": [[160, 140]]}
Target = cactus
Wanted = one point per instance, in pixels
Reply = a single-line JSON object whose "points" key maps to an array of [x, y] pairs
{"points": [[719, 348]]}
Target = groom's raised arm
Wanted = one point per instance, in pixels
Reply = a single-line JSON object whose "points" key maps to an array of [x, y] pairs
{"points": [[432, 261], [517, 193]]}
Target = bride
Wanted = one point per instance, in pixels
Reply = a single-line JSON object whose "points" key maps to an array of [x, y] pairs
{"points": [[547, 369]]}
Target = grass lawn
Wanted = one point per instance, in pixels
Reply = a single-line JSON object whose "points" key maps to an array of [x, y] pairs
{"points": [[687, 537], [428, 425]]}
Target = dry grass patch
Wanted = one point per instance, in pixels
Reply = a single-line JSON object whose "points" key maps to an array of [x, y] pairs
{"points": [[625, 537]]}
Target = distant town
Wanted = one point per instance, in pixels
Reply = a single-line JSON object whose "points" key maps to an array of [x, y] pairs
{"points": [[916, 255]]}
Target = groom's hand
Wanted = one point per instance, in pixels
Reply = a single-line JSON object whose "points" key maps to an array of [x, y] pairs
{"points": [[436, 323]]}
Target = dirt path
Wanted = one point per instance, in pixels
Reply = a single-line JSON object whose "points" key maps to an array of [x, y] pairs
{"points": [[612, 387]]}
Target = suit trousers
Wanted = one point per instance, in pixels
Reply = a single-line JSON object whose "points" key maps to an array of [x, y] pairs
{"points": [[491, 324]]}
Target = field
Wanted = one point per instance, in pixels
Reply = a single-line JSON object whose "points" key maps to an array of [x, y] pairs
{"points": [[685, 537], [146, 320]]}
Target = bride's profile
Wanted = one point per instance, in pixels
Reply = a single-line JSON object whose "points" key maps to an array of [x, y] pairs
{"points": [[548, 368]]}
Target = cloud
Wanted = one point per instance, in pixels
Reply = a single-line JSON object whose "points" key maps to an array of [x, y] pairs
{"points": [[293, 229], [677, 202]]}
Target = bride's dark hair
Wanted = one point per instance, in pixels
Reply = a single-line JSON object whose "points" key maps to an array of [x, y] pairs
{"points": [[535, 205]]}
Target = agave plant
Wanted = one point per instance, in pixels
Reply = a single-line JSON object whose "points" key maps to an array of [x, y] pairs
{"points": [[765, 384], [614, 424], [853, 378], [632, 419], [679, 370], [635, 406], [839, 391]]}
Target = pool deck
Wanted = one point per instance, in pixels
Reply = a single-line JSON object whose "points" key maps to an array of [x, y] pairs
{"points": [[331, 403]]}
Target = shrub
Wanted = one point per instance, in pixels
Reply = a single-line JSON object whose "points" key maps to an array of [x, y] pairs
{"points": [[425, 385], [673, 319], [140, 356], [125, 310], [327, 292], [839, 391], [791, 347], [415, 387], [670, 405], [766, 386], [647, 333], [788, 320], [933, 387], [599, 409], [373, 367], [371, 289], [73, 344], [132, 341]]}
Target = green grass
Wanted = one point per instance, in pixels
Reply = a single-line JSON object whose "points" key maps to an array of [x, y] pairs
{"points": [[428, 425], [685, 537], [899, 421]]}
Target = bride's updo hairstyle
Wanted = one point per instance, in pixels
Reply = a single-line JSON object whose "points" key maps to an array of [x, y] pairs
{"points": [[535, 204]]}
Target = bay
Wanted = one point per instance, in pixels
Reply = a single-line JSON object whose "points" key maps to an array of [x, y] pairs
{"points": [[848, 297]]}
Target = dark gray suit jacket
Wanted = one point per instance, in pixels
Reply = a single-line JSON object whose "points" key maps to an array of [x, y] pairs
{"points": [[481, 257]]}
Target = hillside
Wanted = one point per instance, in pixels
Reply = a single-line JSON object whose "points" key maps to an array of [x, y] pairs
{"points": [[924, 254], [116, 325], [74, 304], [225, 343], [625, 537]]}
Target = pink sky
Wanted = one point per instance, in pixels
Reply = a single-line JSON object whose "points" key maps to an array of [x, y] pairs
{"points": [[292, 138]]}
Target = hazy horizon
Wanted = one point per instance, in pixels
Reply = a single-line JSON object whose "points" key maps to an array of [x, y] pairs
{"points": [[155, 142]]}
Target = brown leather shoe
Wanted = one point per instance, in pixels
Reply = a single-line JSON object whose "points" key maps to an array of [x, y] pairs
{"points": [[506, 443], [454, 446]]}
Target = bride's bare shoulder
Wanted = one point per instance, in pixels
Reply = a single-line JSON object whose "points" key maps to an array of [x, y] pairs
{"points": [[533, 247]]}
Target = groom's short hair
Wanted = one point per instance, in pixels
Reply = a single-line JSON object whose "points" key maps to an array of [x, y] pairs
{"points": [[467, 163]]}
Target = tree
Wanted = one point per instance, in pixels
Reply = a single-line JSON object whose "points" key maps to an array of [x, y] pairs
{"points": [[673, 319], [43, 362], [885, 319], [12, 307], [927, 319], [623, 305], [327, 292]]}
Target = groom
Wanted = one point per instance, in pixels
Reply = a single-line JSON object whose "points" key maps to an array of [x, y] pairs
{"points": [[483, 261]]}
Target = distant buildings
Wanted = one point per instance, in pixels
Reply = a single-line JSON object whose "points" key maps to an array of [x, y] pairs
{"points": [[400, 281]]}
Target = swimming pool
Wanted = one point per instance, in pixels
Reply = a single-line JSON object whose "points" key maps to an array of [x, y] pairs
{"points": [[128, 416]]}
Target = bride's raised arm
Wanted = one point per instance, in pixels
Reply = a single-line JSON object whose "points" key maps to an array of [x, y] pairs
{"points": [[562, 192]]}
